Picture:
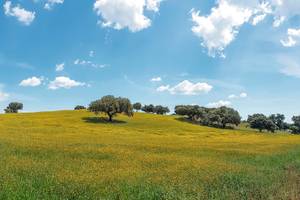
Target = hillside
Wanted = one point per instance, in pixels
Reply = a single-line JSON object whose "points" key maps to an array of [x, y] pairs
{"points": [[73, 155]]}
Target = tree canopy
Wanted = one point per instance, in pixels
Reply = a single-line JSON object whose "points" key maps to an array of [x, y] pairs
{"points": [[137, 106], [80, 107], [111, 106], [262, 122], [13, 107], [216, 117]]}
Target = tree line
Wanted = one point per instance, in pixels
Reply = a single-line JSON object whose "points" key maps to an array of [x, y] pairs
{"points": [[222, 117]]}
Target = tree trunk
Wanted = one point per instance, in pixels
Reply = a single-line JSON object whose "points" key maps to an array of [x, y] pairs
{"points": [[110, 117]]}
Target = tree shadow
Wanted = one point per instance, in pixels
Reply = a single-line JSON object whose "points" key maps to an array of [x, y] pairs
{"points": [[101, 120], [183, 119], [186, 120]]}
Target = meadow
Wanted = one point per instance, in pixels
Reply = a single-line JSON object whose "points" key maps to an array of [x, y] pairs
{"points": [[74, 155]]}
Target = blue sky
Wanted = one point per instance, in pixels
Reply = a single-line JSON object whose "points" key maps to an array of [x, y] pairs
{"points": [[55, 54]]}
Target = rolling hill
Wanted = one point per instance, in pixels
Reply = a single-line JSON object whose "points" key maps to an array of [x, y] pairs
{"points": [[74, 155]]}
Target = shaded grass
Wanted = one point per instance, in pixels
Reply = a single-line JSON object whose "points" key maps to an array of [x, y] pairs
{"points": [[72, 155]]}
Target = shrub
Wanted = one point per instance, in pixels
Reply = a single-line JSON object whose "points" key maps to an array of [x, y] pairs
{"points": [[79, 108]]}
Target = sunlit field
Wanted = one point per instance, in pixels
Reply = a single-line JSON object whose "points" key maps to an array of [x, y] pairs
{"points": [[73, 155]]}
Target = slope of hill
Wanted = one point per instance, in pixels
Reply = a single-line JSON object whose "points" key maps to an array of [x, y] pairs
{"points": [[73, 155]]}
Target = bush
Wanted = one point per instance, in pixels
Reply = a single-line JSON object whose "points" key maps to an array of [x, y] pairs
{"points": [[79, 108]]}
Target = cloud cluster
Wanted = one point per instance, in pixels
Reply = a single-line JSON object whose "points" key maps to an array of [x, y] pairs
{"points": [[186, 88], [242, 95], [156, 79], [64, 82], [120, 14], [219, 104], [292, 39], [31, 82], [89, 63], [218, 29], [60, 67], [24, 16], [50, 3]]}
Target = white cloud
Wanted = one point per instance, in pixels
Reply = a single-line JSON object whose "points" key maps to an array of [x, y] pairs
{"points": [[156, 79], [241, 95], [163, 88], [92, 53], [60, 67], [186, 88], [278, 21], [284, 9], [232, 96], [89, 63], [218, 29], [31, 82], [291, 69], [3, 96], [64, 82], [219, 104], [22, 15], [293, 38], [120, 14], [50, 3]]}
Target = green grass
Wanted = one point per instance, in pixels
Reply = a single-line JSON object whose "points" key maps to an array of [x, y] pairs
{"points": [[73, 155]]}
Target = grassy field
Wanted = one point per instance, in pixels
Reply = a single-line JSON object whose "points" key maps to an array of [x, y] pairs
{"points": [[73, 155]]}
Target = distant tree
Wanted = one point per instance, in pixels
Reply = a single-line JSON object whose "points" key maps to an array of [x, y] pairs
{"points": [[270, 126], [258, 121], [296, 125], [137, 106], [148, 108], [79, 107], [278, 120], [286, 126], [193, 112], [161, 110], [111, 106], [227, 116], [14, 107], [216, 117]]}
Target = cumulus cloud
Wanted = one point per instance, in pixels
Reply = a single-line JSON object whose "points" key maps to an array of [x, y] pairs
{"points": [[50, 3], [60, 67], [24, 16], [120, 14], [156, 79], [89, 63], [220, 28], [3, 96], [186, 88], [31, 82], [292, 39], [219, 104], [64, 82]]}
